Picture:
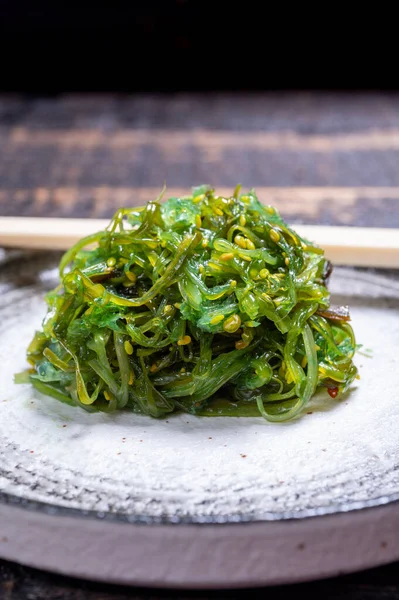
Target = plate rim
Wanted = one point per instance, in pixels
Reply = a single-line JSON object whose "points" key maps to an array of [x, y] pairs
{"points": [[170, 556], [42, 507]]}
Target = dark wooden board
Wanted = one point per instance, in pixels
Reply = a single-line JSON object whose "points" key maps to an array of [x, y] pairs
{"points": [[85, 156], [321, 158]]}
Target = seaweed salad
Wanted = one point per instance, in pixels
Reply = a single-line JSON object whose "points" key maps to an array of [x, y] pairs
{"points": [[203, 304]]}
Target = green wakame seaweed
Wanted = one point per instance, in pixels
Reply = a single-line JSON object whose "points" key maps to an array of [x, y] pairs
{"points": [[205, 304]]}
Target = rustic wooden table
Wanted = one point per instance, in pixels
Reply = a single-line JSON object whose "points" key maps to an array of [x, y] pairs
{"points": [[331, 159]]}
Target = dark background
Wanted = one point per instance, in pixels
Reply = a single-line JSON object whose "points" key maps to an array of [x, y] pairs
{"points": [[49, 47]]}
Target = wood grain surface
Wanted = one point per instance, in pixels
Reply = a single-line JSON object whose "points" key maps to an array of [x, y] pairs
{"points": [[320, 158], [330, 159]]}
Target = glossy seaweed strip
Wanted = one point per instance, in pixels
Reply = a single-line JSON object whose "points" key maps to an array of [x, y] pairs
{"points": [[205, 304]]}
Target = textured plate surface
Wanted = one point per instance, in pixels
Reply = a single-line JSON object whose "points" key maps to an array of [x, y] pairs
{"points": [[336, 457]]}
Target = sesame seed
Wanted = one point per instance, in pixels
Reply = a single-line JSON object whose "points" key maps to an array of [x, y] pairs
{"points": [[128, 347], [232, 324], [132, 276], [240, 241], [274, 235], [184, 341], [240, 345], [226, 256], [217, 319]]}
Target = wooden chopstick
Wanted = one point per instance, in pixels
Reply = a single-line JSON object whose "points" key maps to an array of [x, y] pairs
{"points": [[357, 246]]}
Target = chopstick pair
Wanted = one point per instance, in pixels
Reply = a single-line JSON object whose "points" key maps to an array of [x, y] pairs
{"points": [[355, 246]]}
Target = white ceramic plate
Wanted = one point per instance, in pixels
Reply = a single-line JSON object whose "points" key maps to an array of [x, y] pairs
{"points": [[195, 501]]}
